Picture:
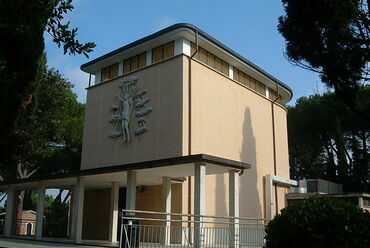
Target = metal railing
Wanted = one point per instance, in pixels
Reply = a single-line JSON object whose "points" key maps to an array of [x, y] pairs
{"points": [[158, 229]]}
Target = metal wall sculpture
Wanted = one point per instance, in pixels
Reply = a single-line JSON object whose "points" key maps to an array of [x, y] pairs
{"points": [[131, 99]]}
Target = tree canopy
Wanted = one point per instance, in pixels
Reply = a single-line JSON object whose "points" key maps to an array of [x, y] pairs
{"points": [[48, 137], [327, 140], [320, 222], [332, 38], [22, 27]]}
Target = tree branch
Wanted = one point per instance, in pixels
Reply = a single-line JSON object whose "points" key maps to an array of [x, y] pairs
{"points": [[34, 171], [2, 198], [19, 171]]}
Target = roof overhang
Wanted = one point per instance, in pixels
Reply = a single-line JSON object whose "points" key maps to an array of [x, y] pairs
{"points": [[149, 173], [187, 31]]}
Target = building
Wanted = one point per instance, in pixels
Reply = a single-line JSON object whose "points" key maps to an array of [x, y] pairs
{"points": [[25, 226], [318, 187], [175, 122]]}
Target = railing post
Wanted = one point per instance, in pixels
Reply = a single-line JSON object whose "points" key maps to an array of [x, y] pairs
{"points": [[199, 203]]}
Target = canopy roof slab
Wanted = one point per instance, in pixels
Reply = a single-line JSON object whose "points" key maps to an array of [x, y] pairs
{"points": [[149, 173]]}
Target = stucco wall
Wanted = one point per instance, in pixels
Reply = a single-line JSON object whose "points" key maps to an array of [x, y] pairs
{"points": [[163, 81], [231, 121], [227, 120], [96, 214]]}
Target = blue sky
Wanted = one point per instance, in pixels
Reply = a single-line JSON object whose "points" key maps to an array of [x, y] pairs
{"points": [[248, 27]]}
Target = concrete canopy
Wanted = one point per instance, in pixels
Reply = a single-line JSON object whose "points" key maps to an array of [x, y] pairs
{"points": [[149, 173]]}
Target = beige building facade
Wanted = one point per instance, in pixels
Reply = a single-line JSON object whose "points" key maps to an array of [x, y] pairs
{"points": [[197, 109], [177, 122]]}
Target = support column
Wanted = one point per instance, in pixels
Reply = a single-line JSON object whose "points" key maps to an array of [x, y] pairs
{"points": [[269, 196], [131, 190], [199, 203], [78, 206], [234, 207], [40, 210], [166, 184], [113, 225], [360, 202], [9, 214]]}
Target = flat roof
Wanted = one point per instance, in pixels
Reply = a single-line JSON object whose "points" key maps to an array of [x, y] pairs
{"points": [[198, 158], [201, 33]]}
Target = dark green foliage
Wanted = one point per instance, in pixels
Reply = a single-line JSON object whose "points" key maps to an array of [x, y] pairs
{"points": [[56, 216], [22, 27], [327, 140], [330, 37], [320, 222], [56, 211], [48, 137], [30, 200]]}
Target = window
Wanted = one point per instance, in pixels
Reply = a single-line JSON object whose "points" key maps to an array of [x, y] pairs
{"points": [[163, 52], [249, 81], [211, 60], [134, 63], [273, 95], [109, 72]]}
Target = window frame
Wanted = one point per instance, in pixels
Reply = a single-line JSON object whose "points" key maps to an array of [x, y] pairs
{"points": [[109, 68], [162, 51]]}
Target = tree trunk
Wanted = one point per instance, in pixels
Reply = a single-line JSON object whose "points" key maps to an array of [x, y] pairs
{"points": [[19, 215]]}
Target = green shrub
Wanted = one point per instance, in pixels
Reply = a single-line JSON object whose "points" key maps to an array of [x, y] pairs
{"points": [[320, 222]]}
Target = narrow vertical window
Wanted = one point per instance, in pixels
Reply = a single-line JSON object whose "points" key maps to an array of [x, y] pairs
{"points": [[142, 60], [157, 54], [109, 72], [168, 50], [134, 63], [126, 66]]}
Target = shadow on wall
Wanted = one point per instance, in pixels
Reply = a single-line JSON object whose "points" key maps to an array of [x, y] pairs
{"points": [[221, 207], [250, 186]]}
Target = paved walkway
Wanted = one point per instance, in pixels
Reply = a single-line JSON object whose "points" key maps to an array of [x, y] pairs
{"points": [[24, 243]]}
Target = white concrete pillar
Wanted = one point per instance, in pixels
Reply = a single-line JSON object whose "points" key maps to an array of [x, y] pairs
{"points": [[131, 190], [148, 57], [231, 71], [267, 92], [234, 207], [120, 68], [199, 203], [10, 211], [98, 77], [78, 206], [40, 210], [360, 202], [166, 184], [113, 225], [269, 196]]}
